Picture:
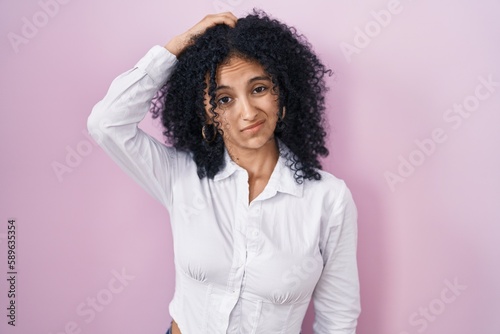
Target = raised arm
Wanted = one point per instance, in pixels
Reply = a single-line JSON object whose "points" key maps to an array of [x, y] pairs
{"points": [[114, 120]]}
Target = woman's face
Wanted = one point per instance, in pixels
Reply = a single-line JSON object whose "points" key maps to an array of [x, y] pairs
{"points": [[247, 105]]}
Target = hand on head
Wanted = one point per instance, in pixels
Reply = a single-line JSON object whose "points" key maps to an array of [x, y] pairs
{"points": [[178, 43]]}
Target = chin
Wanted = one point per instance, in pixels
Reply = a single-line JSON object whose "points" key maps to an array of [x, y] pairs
{"points": [[254, 143], [257, 143]]}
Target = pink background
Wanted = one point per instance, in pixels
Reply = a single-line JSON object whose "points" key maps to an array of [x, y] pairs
{"points": [[439, 227]]}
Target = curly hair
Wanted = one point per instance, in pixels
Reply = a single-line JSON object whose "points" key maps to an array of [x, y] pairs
{"points": [[296, 73]]}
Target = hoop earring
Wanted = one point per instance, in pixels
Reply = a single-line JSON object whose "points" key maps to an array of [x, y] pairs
{"points": [[203, 133], [281, 115], [280, 125]]}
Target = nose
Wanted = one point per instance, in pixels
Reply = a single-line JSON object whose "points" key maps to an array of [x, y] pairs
{"points": [[248, 110]]}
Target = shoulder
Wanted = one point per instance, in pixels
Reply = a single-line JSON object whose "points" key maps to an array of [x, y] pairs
{"points": [[331, 192], [329, 186]]}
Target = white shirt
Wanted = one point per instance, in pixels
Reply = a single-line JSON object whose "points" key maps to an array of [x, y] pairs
{"points": [[240, 267]]}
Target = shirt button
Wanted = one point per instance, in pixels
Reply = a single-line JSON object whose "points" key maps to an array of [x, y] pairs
{"points": [[255, 233]]}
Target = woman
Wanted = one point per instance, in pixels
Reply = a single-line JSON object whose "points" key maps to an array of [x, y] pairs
{"points": [[258, 228]]}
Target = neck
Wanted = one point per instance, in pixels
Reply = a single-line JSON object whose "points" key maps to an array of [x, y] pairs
{"points": [[259, 163]]}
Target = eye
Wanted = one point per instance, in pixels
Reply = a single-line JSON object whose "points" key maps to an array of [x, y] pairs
{"points": [[223, 100], [260, 89]]}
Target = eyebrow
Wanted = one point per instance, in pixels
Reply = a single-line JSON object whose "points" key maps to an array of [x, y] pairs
{"points": [[261, 77]]}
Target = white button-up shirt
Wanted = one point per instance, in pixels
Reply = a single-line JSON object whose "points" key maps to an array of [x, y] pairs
{"points": [[240, 267]]}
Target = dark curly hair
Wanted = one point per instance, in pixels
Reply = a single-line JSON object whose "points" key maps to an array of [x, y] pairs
{"points": [[297, 75]]}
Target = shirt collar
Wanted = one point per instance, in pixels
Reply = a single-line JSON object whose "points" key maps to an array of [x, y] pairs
{"points": [[282, 178]]}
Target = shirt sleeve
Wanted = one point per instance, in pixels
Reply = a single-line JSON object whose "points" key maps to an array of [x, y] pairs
{"points": [[114, 120], [336, 296]]}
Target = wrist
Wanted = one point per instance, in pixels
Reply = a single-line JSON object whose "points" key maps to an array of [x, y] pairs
{"points": [[175, 45]]}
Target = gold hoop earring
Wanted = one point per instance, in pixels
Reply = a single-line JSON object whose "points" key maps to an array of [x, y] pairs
{"points": [[280, 125], [281, 116], [204, 131]]}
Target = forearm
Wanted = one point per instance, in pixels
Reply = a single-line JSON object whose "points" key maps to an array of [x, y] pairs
{"points": [[114, 121], [129, 96]]}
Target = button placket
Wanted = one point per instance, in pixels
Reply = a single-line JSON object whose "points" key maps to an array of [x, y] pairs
{"points": [[235, 280], [254, 225]]}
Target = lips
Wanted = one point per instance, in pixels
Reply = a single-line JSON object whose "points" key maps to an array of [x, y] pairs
{"points": [[253, 126]]}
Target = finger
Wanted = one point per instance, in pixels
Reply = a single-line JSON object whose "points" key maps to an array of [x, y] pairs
{"points": [[226, 18], [231, 18], [211, 20]]}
